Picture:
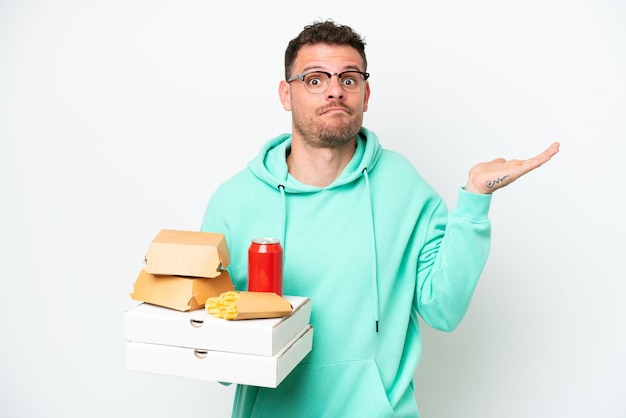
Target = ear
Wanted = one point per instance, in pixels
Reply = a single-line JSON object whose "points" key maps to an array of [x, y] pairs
{"points": [[366, 96], [284, 93]]}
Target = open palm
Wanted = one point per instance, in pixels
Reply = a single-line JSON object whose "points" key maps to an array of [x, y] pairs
{"points": [[490, 176]]}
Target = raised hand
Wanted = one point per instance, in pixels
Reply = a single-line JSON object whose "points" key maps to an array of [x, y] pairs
{"points": [[490, 176]]}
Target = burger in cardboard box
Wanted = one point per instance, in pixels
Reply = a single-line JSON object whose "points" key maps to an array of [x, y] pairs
{"points": [[187, 253], [178, 292], [183, 269]]}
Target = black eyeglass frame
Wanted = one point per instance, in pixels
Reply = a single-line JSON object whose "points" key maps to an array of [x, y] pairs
{"points": [[330, 76]]}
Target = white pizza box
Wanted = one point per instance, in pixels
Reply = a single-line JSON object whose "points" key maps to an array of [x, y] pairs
{"points": [[146, 323], [219, 366]]}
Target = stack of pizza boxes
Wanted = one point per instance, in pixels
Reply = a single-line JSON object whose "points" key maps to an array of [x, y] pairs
{"points": [[170, 332]]}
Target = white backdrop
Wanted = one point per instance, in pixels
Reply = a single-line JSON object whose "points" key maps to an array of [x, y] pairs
{"points": [[119, 118]]}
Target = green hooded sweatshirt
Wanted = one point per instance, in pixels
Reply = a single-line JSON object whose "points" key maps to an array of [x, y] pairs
{"points": [[373, 251]]}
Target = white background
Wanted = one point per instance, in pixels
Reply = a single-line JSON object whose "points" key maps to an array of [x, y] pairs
{"points": [[119, 118]]}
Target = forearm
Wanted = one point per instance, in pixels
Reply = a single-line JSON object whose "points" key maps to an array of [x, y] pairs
{"points": [[449, 271]]}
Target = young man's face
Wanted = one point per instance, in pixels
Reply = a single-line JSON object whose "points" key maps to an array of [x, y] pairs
{"points": [[334, 117]]}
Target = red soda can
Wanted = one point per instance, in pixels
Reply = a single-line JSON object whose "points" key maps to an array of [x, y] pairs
{"points": [[265, 266]]}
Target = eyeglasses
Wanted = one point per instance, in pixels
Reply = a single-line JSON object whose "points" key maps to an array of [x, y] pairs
{"points": [[317, 82]]}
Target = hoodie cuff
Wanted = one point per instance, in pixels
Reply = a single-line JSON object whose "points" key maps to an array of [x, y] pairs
{"points": [[473, 206]]}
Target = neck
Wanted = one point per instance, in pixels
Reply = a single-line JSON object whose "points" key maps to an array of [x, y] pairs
{"points": [[318, 166]]}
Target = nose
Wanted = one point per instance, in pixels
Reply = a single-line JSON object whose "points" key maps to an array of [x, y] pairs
{"points": [[335, 91]]}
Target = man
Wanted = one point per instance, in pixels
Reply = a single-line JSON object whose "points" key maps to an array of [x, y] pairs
{"points": [[364, 236]]}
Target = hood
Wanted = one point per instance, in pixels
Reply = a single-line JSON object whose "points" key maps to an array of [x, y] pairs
{"points": [[270, 164]]}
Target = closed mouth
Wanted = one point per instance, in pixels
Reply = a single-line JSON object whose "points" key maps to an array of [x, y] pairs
{"points": [[333, 109]]}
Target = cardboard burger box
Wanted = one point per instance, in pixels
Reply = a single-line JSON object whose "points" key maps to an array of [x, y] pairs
{"points": [[183, 269], [187, 253], [196, 345], [178, 292]]}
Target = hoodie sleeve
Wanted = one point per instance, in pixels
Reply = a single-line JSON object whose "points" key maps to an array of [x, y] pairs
{"points": [[454, 253]]}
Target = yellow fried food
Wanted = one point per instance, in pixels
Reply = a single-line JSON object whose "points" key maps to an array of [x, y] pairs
{"points": [[223, 306]]}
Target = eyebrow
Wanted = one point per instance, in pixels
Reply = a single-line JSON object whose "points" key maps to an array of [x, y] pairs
{"points": [[320, 68]]}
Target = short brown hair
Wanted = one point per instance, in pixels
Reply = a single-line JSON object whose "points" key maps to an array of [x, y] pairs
{"points": [[324, 32]]}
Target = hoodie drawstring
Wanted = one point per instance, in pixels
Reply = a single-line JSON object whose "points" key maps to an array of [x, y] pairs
{"points": [[374, 252], [284, 205]]}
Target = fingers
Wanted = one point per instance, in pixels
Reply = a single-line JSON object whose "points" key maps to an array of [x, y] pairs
{"points": [[548, 153], [542, 158]]}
